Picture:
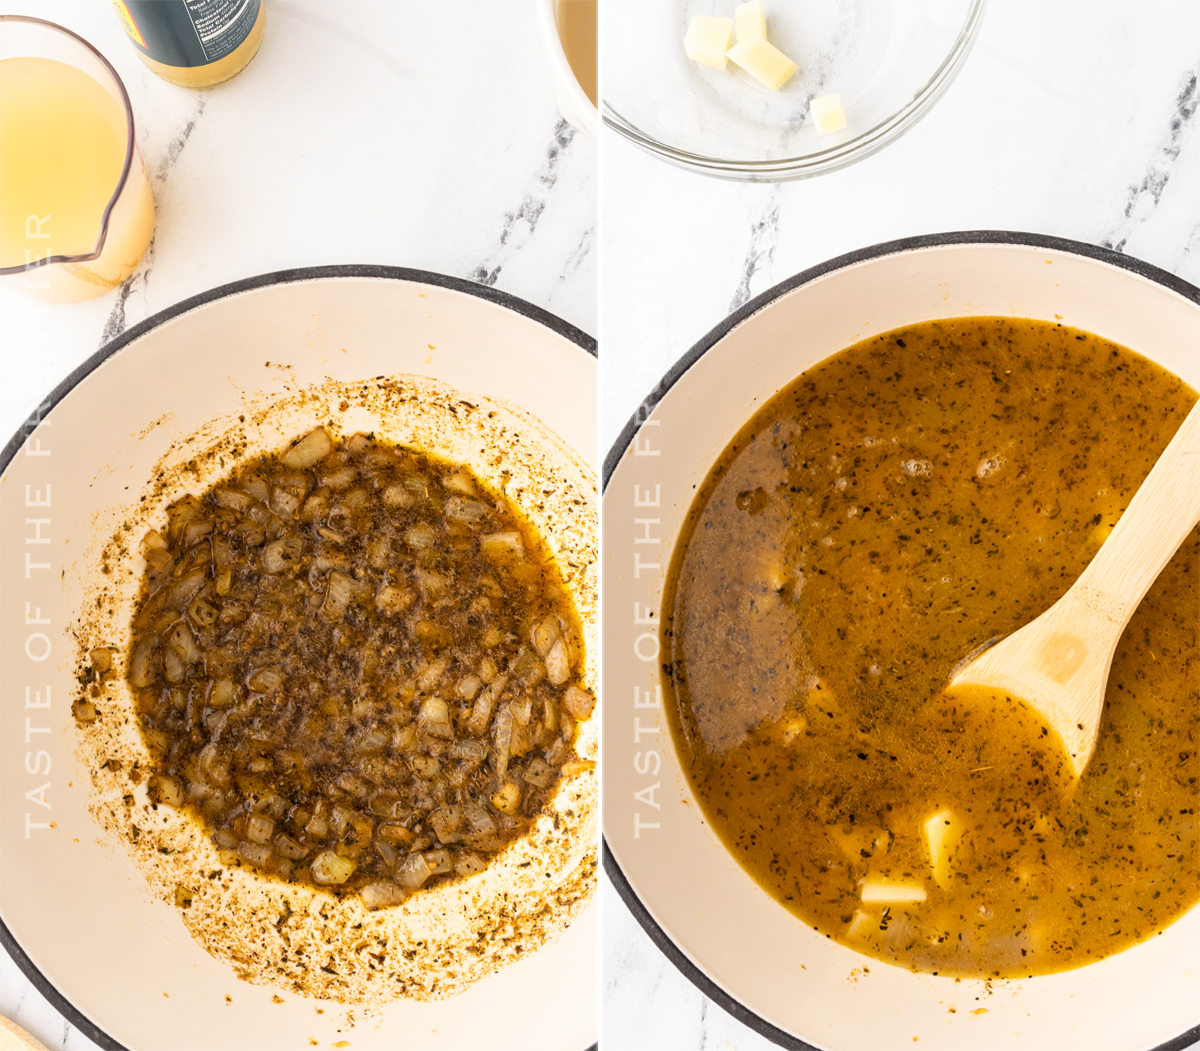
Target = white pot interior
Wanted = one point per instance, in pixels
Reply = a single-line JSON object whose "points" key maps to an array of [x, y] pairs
{"points": [[107, 938], [742, 940]]}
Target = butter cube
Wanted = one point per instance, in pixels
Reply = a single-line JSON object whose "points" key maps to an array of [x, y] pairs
{"points": [[879, 890], [707, 39], [827, 114], [943, 832], [750, 20], [763, 61]]}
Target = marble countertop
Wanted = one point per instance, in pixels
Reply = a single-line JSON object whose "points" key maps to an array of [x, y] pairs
{"points": [[1076, 119], [404, 133]]}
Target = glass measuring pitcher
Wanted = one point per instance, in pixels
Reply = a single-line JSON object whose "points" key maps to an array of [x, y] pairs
{"points": [[76, 211]]}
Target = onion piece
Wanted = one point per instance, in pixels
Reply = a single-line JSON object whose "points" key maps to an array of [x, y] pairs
{"points": [[434, 717], [184, 589], [328, 868], [558, 667], [396, 834], [502, 739], [469, 749], [387, 852], [577, 766], [202, 613], [183, 642], [375, 741], [174, 669], [481, 714], [284, 502], [459, 482], [304, 453], [223, 693], [393, 598], [232, 499], [544, 635], [433, 673], [468, 512], [479, 819], [397, 497], [380, 893], [338, 594], [256, 487], [469, 865], [282, 553], [538, 772], [446, 821], [426, 766], [263, 680], [85, 711], [507, 798], [414, 872], [439, 862], [289, 848], [259, 828], [255, 852], [502, 546], [420, 537], [317, 827], [578, 702], [167, 790], [195, 531], [339, 478], [154, 540]]}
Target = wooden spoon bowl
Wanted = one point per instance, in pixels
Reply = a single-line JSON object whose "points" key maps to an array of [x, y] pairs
{"points": [[1059, 663]]}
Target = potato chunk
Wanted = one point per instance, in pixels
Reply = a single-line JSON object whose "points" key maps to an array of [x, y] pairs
{"points": [[943, 833], [881, 890]]}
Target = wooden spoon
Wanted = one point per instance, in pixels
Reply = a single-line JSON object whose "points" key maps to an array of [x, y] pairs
{"points": [[14, 1038], [1059, 663]]}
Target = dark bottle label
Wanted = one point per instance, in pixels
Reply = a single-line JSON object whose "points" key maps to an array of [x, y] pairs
{"points": [[187, 32]]}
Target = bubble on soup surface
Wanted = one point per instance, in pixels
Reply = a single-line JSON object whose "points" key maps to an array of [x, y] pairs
{"points": [[989, 466]]}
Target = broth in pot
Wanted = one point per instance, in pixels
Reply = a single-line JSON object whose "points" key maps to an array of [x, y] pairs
{"points": [[906, 499]]}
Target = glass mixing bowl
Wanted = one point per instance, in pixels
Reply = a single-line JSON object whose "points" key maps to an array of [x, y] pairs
{"points": [[888, 60]]}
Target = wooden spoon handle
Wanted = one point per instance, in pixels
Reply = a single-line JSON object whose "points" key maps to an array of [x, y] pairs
{"points": [[14, 1038], [1164, 510]]}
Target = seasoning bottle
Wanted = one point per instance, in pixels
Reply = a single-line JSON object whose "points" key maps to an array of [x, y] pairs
{"points": [[194, 43]]}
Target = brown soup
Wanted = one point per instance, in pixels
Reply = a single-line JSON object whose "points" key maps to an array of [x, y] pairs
{"points": [[896, 506]]}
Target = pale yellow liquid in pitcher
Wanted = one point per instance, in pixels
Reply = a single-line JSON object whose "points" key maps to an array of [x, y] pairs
{"points": [[62, 148]]}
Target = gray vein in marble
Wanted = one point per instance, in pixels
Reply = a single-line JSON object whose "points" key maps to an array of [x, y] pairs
{"points": [[179, 141], [579, 254], [1142, 199], [115, 324], [1193, 240], [522, 223], [764, 236]]}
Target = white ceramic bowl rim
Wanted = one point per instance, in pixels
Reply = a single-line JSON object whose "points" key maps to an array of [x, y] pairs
{"points": [[573, 100], [908, 244], [280, 277]]}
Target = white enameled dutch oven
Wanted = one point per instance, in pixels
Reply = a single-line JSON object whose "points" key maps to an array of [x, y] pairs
{"points": [[88, 912], [738, 944]]}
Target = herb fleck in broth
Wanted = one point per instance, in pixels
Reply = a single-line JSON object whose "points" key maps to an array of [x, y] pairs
{"points": [[357, 666], [897, 505]]}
